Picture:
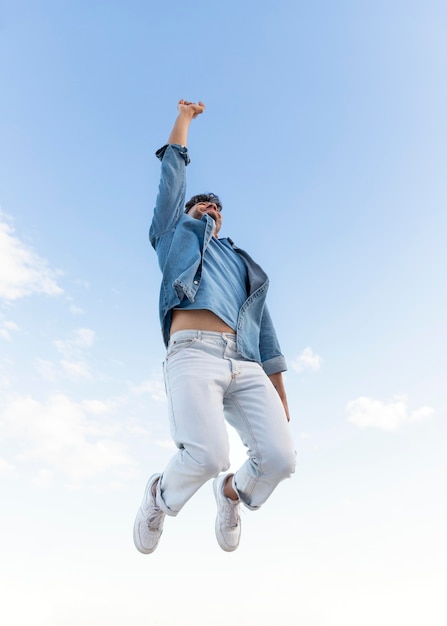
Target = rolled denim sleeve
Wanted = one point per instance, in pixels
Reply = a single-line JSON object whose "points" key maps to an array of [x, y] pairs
{"points": [[182, 149], [272, 359], [171, 190]]}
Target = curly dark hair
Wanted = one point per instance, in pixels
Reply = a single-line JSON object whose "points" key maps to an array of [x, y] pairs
{"points": [[203, 197]]}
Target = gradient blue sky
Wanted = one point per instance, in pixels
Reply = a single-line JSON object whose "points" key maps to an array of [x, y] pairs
{"points": [[325, 135]]}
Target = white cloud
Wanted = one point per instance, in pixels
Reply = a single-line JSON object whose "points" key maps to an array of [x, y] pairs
{"points": [[66, 438], [74, 364], [366, 412], [154, 387], [6, 469], [100, 407], [82, 283], [347, 502], [6, 373], [307, 360], [166, 444], [46, 369], [76, 369], [22, 271], [76, 310], [305, 435], [6, 328], [43, 478], [82, 339], [11, 325]]}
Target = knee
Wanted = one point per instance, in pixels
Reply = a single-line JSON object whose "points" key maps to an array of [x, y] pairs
{"points": [[280, 464], [212, 461], [214, 466]]}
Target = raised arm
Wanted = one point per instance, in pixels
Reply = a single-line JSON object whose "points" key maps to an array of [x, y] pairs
{"points": [[187, 111], [171, 191]]}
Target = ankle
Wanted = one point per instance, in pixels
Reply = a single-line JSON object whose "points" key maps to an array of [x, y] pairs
{"points": [[228, 490]]}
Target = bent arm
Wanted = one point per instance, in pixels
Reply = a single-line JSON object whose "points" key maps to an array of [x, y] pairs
{"points": [[278, 383], [272, 359]]}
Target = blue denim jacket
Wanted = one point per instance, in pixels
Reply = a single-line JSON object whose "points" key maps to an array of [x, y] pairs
{"points": [[180, 242]]}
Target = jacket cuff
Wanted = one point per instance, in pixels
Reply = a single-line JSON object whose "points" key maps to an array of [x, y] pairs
{"points": [[182, 150], [275, 365]]}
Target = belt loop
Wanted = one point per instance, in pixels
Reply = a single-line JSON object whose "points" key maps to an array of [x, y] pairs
{"points": [[199, 335]]}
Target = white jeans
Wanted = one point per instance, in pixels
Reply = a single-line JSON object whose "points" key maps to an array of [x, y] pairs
{"points": [[208, 382]]}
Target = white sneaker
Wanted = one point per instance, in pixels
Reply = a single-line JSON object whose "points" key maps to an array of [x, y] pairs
{"points": [[228, 522], [148, 524]]}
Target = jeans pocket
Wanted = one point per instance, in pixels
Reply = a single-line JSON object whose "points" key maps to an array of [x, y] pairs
{"points": [[176, 345]]}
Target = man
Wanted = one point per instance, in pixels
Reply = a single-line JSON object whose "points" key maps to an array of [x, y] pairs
{"points": [[223, 360]]}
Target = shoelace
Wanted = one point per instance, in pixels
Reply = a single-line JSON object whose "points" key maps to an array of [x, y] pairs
{"points": [[232, 518], [155, 519]]}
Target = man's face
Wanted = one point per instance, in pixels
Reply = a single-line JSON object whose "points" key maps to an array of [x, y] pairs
{"points": [[198, 210]]}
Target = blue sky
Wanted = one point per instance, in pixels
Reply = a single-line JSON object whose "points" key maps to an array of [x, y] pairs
{"points": [[325, 135]]}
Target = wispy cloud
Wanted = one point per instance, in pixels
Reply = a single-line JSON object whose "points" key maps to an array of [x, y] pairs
{"points": [[74, 363], [85, 284], [166, 444], [152, 386], [64, 437], [6, 330], [6, 469], [367, 412], [46, 369], [22, 271], [76, 369], [101, 407], [81, 339], [43, 478], [307, 360], [305, 435], [76, 310], [6, 373]]}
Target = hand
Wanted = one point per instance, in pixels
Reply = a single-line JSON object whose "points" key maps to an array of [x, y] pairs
{"points": [[187, 111], [191, 108], [286, 408], [278, 383]]}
